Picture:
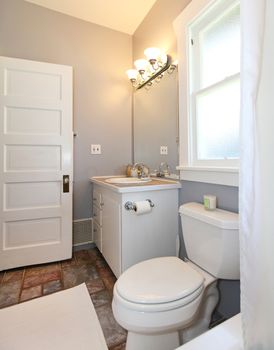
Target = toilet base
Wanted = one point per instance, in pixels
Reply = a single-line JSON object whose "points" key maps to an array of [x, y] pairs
{"points": [[173, 339], [203, 317], [166, 341]]}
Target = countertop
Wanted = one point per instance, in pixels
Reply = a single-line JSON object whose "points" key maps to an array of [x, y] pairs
{"points": [[155, 185]]}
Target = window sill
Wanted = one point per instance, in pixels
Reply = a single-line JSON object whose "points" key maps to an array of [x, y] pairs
{"points": [[212, 175]]}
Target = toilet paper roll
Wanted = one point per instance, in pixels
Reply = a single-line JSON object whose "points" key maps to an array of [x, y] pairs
{"points": [[142, 207]]}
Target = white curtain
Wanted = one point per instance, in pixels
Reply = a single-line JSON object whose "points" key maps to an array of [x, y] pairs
{"points": [[257, 174]]}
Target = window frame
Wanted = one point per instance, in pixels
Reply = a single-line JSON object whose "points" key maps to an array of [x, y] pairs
{"points": [[223, 172]]}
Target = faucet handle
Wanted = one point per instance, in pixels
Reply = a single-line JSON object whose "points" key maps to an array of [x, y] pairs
{"points": [[146, 170], [143, 170], [163, 170]]}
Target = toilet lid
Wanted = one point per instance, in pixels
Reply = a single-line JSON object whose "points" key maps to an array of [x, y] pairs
{"points": [[158, 280]]}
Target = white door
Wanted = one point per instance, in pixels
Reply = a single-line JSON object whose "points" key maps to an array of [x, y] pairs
{"points": [[35, 153]]}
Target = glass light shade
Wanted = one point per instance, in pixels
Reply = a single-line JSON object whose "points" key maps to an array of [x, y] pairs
{"points": [[175, 63], [132, 74], [141, 64], [163, 58], [152, 53]]}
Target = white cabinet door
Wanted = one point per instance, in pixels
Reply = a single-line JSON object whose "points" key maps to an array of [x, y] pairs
{"points": [[111, 231], [97, 235], [35, 153]]}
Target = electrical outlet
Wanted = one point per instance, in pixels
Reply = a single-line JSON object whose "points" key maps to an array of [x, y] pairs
{"points": [[163, 150], [95, 149]]}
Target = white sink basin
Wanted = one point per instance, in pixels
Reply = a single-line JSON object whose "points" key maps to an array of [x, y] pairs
{"points": [[126, 180]]}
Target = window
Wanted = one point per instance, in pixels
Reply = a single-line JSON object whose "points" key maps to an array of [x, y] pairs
{"points": [[210, 97]]}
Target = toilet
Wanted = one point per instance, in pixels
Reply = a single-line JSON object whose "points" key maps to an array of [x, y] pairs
{"points": [[165, 302]]}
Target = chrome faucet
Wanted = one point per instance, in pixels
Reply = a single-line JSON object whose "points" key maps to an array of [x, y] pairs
{"points": [[164, 170], [142, 170]]}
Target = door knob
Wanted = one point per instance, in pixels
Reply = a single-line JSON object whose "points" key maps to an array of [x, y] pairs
{"points": [[65, 183]]}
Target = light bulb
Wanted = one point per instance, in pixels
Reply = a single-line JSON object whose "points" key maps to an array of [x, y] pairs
{"points": [[152, 53], [132, 74], [163, 58], [141, 65]]}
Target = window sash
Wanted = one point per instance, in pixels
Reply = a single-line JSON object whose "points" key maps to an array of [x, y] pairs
{"points": [[200, 24], [193, 132]]}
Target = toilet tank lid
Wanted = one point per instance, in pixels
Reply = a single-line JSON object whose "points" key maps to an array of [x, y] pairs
{"points": [[220, 218]]}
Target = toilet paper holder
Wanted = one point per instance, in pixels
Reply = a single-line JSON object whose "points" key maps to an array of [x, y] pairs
{"points": [[132, 206]]}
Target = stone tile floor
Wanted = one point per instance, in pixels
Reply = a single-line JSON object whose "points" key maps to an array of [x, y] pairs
{"points": [[87, 266]]}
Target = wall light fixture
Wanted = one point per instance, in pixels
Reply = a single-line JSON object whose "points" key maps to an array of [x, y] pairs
{"points": [[147, 70]]}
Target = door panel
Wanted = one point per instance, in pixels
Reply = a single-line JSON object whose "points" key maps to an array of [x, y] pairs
{"points": [[24, 121], [20, 82], [31, 232], [29, 157], [35, 153], [32, 195]]}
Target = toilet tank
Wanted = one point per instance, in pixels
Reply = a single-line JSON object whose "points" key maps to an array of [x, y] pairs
{"points": [[212, 239]]}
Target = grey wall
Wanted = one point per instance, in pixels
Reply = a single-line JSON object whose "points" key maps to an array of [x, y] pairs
{"points": [[102, 94], [156, 30]]}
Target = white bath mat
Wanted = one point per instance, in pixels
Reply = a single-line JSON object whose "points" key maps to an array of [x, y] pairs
{"points": [[64, 320]]}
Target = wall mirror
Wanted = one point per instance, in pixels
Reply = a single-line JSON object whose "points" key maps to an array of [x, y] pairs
{"points": [[155, 123]]}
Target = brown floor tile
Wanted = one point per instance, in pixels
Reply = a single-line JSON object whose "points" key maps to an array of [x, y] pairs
{"points": [[109, 282], [52, 287], [101, 298], [95, 286], [114, 334], [69, 262], [40, 278], [41, 274], [105, 272], [41, 269], [83, 257], [13, 275], [1, 276], [95, 254], [101, 263], [75, 275], [30, 293], [9, 293], [119, 347]]}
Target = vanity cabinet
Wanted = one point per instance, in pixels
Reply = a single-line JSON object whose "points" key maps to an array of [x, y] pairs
{"points": [[111, 231], [126, 238], [97, 218]]}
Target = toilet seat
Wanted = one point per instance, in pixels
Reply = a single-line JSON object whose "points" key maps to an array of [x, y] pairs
{"points": [[158, 284], [158, 307]]}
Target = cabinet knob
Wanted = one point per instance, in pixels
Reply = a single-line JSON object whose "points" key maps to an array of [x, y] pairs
{"points": [[94, 230]]}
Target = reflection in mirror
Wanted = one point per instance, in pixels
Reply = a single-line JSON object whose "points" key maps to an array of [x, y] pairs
{"points": [[156, 123]]}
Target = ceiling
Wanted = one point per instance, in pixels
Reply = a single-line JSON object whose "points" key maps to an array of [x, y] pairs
{"points": [[122, 15]]}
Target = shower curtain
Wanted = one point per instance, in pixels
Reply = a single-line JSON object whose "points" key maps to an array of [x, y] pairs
{"points": [[257, 174]]}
